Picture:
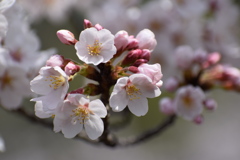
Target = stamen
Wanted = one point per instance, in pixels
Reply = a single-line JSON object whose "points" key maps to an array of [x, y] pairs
{"points": [[81, 113], [57, 81], [133, 92], [5, 80], [95, 49]]}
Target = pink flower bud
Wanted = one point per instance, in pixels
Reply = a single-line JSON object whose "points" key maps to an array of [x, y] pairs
{"points": [[121, 40], [66, 37], [213, 58], [166, 106], [198, 119], [98, 27], [132, 56], [171, 84], [55, 60], [132, 43], [133, 69], [153, 71], [146, 40], [79, 91], [87, 24], [139, 62], [71, 68], [145, 54], [210, 104]]}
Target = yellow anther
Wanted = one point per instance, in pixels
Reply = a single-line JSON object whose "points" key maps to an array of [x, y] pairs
{"points": [[95, 49], [81, 113], [57, 81], [5, 80], [188, 101], [133, 92]]}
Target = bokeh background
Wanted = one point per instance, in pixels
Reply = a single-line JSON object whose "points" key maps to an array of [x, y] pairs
{"points": [[218, 138]]}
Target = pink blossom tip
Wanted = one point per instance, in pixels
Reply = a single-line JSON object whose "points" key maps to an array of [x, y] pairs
{"points": [[66, 37]]}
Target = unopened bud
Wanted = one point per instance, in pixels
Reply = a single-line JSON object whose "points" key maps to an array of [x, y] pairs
{"points": [[66, 37], [171, 84], [132, 43], [79, 91], [132, 56], [71, 68], [121, 40], [210, 104], [98, 27], [55, 60], [213, 58], [198, 119], [87, 24], [133, 69], [166, 106], [139, 62], [145, 54], [146, 40]]}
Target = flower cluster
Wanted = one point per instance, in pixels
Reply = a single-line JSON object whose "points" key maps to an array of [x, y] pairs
{"points": [[20, 58], [118, 61]]}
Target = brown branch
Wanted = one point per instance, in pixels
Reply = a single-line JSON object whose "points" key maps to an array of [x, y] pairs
{"points": [[123, 142]]}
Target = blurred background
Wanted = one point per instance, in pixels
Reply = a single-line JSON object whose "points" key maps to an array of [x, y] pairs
{"points": [[212, 25]]}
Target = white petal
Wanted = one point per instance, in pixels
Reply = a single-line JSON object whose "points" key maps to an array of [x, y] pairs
{"points": [[150, 90], [118, 101], [95, 59], [10, 99], [71, 130], [98, 108], [121, 82], [94, 127], [39, 111], [5, 4], [138, 107]]}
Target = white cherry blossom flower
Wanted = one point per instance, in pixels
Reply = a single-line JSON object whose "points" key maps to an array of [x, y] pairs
{"points": [[77, 113], [95, 46], [14, 84], [52, 83], [188, 102], [133, 92]]}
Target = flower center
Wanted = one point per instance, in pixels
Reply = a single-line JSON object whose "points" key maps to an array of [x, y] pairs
{"points": [[81, 113], [133, 92], [56, 81], [17, 55], [95, 49], [187, 100], [5, 80]]}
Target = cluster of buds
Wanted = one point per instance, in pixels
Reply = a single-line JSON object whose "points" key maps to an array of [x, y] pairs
{"points": [[190, 99], [113, 61]]}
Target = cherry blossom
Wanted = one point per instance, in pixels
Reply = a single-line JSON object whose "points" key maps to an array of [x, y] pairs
{"points": [[77, 113], [133, 92], [95, 46], [13, 81], [52, 84], [188, 102]]}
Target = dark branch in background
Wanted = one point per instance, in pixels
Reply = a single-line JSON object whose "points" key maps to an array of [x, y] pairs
{"points": [[149, 133]]}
